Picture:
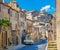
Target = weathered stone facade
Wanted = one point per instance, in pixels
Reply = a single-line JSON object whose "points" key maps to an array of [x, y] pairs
{"points": [[10, 34], [58, 23]]}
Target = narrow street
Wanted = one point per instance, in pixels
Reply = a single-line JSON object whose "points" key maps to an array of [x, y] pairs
{"points": [[41, 45], [29, 25]]}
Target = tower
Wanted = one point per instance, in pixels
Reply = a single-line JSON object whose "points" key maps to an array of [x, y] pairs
{"points": [[13, 4]]}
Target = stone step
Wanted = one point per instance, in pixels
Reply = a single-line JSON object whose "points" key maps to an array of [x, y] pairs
{"points": [[52, 45]]}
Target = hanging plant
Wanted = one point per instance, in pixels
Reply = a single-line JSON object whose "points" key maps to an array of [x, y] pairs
{"points": [[5, 22]]}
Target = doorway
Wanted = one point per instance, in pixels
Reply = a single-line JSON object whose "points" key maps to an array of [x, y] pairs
{"points": [[4, 39]]}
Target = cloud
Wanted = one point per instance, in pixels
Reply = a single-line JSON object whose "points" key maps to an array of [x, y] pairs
{"points": [[45, 7]]}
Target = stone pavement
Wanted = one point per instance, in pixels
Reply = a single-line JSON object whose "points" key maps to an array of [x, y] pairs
{"points": [[41, 45], [13, 47], [2, 49]]}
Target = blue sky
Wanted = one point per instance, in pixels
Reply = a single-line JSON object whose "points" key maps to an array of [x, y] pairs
{"points": [[39, 5]]}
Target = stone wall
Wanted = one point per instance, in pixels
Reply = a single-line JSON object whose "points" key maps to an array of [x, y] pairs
{"points": [[58, 23]]}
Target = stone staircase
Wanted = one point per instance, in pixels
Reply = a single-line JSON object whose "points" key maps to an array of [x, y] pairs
{"points": [[52, 45]]}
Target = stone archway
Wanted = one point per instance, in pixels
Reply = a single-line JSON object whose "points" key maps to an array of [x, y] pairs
{"points": [[4, 39]]}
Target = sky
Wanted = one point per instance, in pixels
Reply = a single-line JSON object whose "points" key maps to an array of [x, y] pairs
{"points": [[39, 5]]}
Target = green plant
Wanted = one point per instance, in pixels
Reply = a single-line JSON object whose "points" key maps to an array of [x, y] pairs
{"points": [[5, 22]]}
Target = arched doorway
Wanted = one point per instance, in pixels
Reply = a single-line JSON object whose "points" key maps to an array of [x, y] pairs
{"points": [[4, 39], [16, 40]]}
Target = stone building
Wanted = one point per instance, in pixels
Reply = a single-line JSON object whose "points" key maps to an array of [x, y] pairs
{"points": [[52, 29], [58, 23], [9, 34], [29, 22], [12, 34], [52, 43], [22, 24]]}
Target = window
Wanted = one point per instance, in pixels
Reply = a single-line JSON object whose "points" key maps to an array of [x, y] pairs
{"points": [[16, 16], [13, 33], [10, 12], [0, 8], [17, 5], [22, 15], [22, 24], [1, 0]]}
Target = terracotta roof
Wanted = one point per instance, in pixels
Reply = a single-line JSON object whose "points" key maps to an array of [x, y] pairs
{"points": [[10, 7]]}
